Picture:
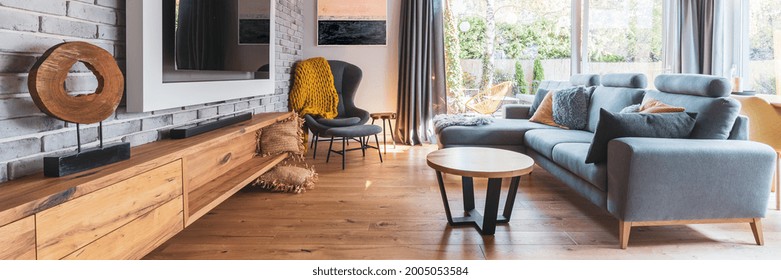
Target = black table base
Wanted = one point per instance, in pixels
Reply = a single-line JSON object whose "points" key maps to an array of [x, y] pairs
{"points": [[486, 222]]}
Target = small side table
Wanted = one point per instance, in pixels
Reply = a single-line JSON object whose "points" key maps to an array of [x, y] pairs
{"points": [[494, 164], [385, 116]]}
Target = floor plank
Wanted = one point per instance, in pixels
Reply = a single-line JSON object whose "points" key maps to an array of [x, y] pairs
{"points": [[393, 210]]}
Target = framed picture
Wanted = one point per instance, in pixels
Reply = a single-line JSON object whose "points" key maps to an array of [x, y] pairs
{"points": [[254, 23], [352, 22]]}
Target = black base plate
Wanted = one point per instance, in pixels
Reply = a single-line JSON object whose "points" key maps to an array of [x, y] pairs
{"points": [[88, 159]]}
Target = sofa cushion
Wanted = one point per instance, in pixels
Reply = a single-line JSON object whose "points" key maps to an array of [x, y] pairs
{"points": [[544, 113], [653, 106], [693, 84], [544, 140], [500, 132], [611, 126], [570, 107], [538, 98], [572, 156], [612, 99], [715, 116], [339, 122]]}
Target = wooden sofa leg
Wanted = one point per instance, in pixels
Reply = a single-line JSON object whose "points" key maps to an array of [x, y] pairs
{"points": [[756, 227], [624, 228]]}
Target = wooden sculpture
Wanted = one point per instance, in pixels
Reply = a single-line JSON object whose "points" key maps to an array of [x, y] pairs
{"points": [[47, 87], [47, 79]]}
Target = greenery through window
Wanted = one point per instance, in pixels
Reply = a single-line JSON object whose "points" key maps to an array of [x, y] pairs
{"points": [[764, 38], [625, 36], [489, 42]]}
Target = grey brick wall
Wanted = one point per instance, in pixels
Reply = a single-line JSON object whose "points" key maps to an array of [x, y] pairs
{"points": [[30, 27]]}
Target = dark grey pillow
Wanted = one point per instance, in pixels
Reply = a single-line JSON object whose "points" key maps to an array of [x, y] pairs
{"points": [[611, 126], [541, 93], [570, 107]]}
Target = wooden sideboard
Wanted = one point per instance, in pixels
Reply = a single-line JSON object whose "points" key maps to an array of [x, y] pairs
{"points": [[125, 210]]}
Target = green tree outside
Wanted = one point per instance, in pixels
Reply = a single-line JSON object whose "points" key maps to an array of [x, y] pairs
{"points": [[521, 86]]}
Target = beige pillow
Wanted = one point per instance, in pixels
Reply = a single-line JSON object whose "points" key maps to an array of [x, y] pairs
{"points": [[653, 106], [282, 137], [291, 179], [544, 113]]}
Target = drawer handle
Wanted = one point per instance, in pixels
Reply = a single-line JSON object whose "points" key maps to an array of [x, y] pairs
{"points": [[226, 158]]}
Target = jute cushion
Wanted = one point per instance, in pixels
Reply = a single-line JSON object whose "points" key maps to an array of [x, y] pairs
{"points": [[282, 137], [292, 179]]}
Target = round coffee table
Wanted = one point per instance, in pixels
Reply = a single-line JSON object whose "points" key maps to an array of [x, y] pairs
{"points": [[494, 164]]}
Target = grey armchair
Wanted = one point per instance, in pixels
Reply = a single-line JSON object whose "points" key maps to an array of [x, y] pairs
{"points": [[347, 77]]}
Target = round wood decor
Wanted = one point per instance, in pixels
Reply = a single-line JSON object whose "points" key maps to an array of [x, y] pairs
{"points": [[47, 83]]}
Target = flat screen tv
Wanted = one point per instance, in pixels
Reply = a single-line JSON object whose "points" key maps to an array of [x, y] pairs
{"points": [[215, 40]]}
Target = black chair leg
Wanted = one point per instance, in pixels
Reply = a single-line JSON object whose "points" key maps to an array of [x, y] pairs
{"points": [[314, 142], [377, 141], [344, 154], [330, 148], [363, 148]]}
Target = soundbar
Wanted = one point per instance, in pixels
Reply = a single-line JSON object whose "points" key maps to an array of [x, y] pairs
{"points": [[190, 131]]}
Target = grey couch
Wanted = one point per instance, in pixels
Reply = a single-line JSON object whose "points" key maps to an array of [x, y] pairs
{"points": [[716, 177]]}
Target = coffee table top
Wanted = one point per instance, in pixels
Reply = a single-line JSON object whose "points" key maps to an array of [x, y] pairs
{"points": [[480, 162]]}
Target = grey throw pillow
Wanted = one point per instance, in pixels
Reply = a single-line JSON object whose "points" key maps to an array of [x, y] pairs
{"points": [[631, 109], [570, 107], [611, 126]]}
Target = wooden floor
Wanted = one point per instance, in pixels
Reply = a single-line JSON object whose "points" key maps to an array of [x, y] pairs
{"points": [[394, 211]]}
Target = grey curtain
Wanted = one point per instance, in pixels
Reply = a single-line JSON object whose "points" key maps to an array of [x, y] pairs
{"points": [[422, 93], [199, 34], [700, 39]]}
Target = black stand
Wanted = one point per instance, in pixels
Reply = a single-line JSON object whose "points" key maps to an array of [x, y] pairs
{"points": [[87, 159], [485, 223]]}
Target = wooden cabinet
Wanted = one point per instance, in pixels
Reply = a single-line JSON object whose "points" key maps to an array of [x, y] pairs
{"points": [[137, 238], [125, 210], [17, 240], [70, 226]]}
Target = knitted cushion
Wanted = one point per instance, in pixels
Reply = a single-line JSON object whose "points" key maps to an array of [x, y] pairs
{"points": [[282, 137], [313, 91], [570, 107], [292, 179]]}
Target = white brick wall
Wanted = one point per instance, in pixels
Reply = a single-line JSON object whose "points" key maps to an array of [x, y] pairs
{"points": [[30, 27]]}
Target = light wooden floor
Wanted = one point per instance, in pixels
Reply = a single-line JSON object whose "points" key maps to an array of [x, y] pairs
{"points": [[394, 211]]}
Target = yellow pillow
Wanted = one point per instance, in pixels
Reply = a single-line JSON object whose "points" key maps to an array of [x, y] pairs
{"points": [[544, 113], [653, 106]]}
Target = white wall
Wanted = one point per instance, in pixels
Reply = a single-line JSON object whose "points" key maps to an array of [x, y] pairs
{"points": [[380, 64]]}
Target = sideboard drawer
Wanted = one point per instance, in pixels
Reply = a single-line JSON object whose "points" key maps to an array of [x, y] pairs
{"points": [[210, 163], [136, 239], [17, 240], [67, 227]]}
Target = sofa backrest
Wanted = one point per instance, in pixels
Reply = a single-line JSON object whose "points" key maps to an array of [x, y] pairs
{"points": [[616, 93], [709, 97]]}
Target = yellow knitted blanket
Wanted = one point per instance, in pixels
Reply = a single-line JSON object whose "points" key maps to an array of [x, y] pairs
{"points": [[313, 90]]}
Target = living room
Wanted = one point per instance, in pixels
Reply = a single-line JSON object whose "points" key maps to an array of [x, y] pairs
{"points": [[389, 130]]}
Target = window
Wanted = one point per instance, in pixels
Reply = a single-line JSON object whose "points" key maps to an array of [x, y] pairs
{"points": [[625, 36], [764, 37], [493, 41]]}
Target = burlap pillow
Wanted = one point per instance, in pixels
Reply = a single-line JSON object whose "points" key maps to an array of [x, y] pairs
{"points": [[291, 179], [282, 137]]}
